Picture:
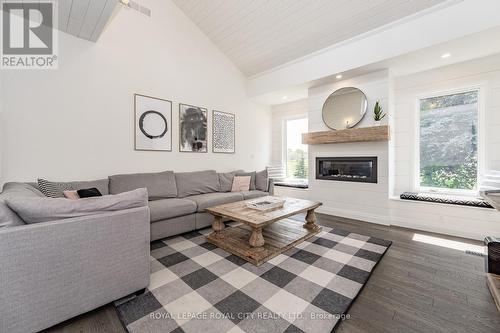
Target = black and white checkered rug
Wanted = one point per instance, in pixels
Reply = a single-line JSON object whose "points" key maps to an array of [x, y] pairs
{"points": [[197, 287]]}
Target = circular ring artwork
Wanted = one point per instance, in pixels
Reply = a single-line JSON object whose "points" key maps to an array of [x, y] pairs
{"points": [[141, 124]]}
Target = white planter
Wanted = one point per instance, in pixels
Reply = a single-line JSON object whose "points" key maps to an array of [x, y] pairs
{"points": [[377, 123]]}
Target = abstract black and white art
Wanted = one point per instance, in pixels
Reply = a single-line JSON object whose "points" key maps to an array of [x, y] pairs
{"points": [[223, 132], [153, 123], [193, 134]]}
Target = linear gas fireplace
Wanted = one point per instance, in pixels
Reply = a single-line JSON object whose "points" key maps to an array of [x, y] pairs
{"points": [[347, 169]]}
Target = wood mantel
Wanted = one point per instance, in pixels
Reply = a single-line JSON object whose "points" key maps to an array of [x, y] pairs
{"points": [[363, 134]]}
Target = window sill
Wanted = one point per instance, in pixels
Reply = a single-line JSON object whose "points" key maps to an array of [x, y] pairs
{"points": [[445, 199]]}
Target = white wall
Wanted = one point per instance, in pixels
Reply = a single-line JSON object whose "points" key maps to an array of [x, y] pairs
{"points": [[463, 221], [362, 201], [280, 113], [77, 122]]}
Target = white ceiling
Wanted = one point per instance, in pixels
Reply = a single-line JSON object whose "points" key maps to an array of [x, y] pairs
{"points": [[463, 49], [84, 18], [258, 35]]}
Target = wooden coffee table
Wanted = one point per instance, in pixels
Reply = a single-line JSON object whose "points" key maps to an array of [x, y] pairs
{"points": [[262, 235]]}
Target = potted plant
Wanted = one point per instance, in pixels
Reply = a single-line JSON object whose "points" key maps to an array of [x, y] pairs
{"points": [[378, 113]]}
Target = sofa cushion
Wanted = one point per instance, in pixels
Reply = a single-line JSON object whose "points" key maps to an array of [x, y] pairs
{"points": [[199, 182], [226, 180], [203, 201], [56, 189], [253, 194], [252, 178], [8, 218], [169, 208], [38, 209], [160, 185], [262, 180]]}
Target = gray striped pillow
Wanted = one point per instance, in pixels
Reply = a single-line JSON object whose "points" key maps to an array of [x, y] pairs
{"points": [[53, 189]]}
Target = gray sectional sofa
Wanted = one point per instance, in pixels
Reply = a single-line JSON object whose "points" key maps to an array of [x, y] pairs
{"points": [[56, 269], [179, 204]]}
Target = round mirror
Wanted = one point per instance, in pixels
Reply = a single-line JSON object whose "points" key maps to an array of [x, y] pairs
{"points": [[344, 108]]}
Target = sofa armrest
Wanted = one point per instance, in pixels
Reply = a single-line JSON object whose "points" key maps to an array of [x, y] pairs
{"points": [[271, 186], [53, 271]]}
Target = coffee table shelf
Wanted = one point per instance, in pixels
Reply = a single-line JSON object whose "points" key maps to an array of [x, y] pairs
{"points": [[262, 235]]}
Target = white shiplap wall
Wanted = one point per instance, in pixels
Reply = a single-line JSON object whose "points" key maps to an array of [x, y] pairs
{"points": [[368, 202], [378, 203], [460, 221]]}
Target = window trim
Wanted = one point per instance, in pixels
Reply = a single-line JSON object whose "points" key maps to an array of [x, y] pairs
{"points": [[284, 148], [480, 137]]}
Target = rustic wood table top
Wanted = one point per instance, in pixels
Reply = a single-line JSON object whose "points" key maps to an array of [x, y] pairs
{"points": [[238, 211]]}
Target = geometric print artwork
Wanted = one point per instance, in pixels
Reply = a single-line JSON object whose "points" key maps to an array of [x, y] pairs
{"points": [[198, 287], [223, 132]]}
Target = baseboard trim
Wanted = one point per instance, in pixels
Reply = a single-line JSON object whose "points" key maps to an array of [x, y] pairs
{"points": [[397, 222], [367, 217], [410, 224]]}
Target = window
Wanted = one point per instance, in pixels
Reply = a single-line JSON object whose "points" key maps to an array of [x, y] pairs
{"points": [[296, 152], [448, 142]]}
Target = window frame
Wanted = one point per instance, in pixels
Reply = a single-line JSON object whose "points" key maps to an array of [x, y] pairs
{"points": [[284, 155], [480, 144]]}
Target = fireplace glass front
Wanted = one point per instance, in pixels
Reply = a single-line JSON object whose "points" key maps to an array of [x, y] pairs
{"points": [[350, 169]]}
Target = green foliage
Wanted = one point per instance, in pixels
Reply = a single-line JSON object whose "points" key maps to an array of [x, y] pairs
{"points": [[440, 102], [461, 176], [297, 166], [378, 114], [301, 168]]}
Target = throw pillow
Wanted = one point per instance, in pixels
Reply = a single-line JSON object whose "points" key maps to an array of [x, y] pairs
{"points": [[252, 178], [39, 209], [73, 195], [89, 192], [241, 183], [226, 180], [262, 181], [56, 189], [53, 189]]}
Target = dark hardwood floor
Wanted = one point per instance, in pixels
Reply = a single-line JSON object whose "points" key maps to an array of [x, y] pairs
{"points": [[416, 287]]}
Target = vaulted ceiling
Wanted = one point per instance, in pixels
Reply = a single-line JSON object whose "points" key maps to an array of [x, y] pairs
{"points": [[84, 18], [258, 35]]}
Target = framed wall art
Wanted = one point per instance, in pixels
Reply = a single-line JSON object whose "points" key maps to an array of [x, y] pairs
{"points": [[153, 123], [193, 133], [223, 132]]}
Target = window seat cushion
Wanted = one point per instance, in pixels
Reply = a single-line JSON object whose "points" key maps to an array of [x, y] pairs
{"points": [[445, 199], [291, 184]]}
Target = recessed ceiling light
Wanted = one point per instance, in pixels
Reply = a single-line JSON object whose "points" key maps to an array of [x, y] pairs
{"points": [[284, 97], [339, 76], [445, 55]]}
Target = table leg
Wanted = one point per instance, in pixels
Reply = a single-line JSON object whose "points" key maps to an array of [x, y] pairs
{"points": [[217, 225], [311, 220], [256, 239]]}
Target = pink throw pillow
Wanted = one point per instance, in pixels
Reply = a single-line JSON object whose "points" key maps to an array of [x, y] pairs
{"points": [[241, 183], [73, 195]]}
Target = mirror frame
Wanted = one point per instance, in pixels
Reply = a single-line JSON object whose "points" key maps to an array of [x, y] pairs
{"points": [[353, 125]]}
